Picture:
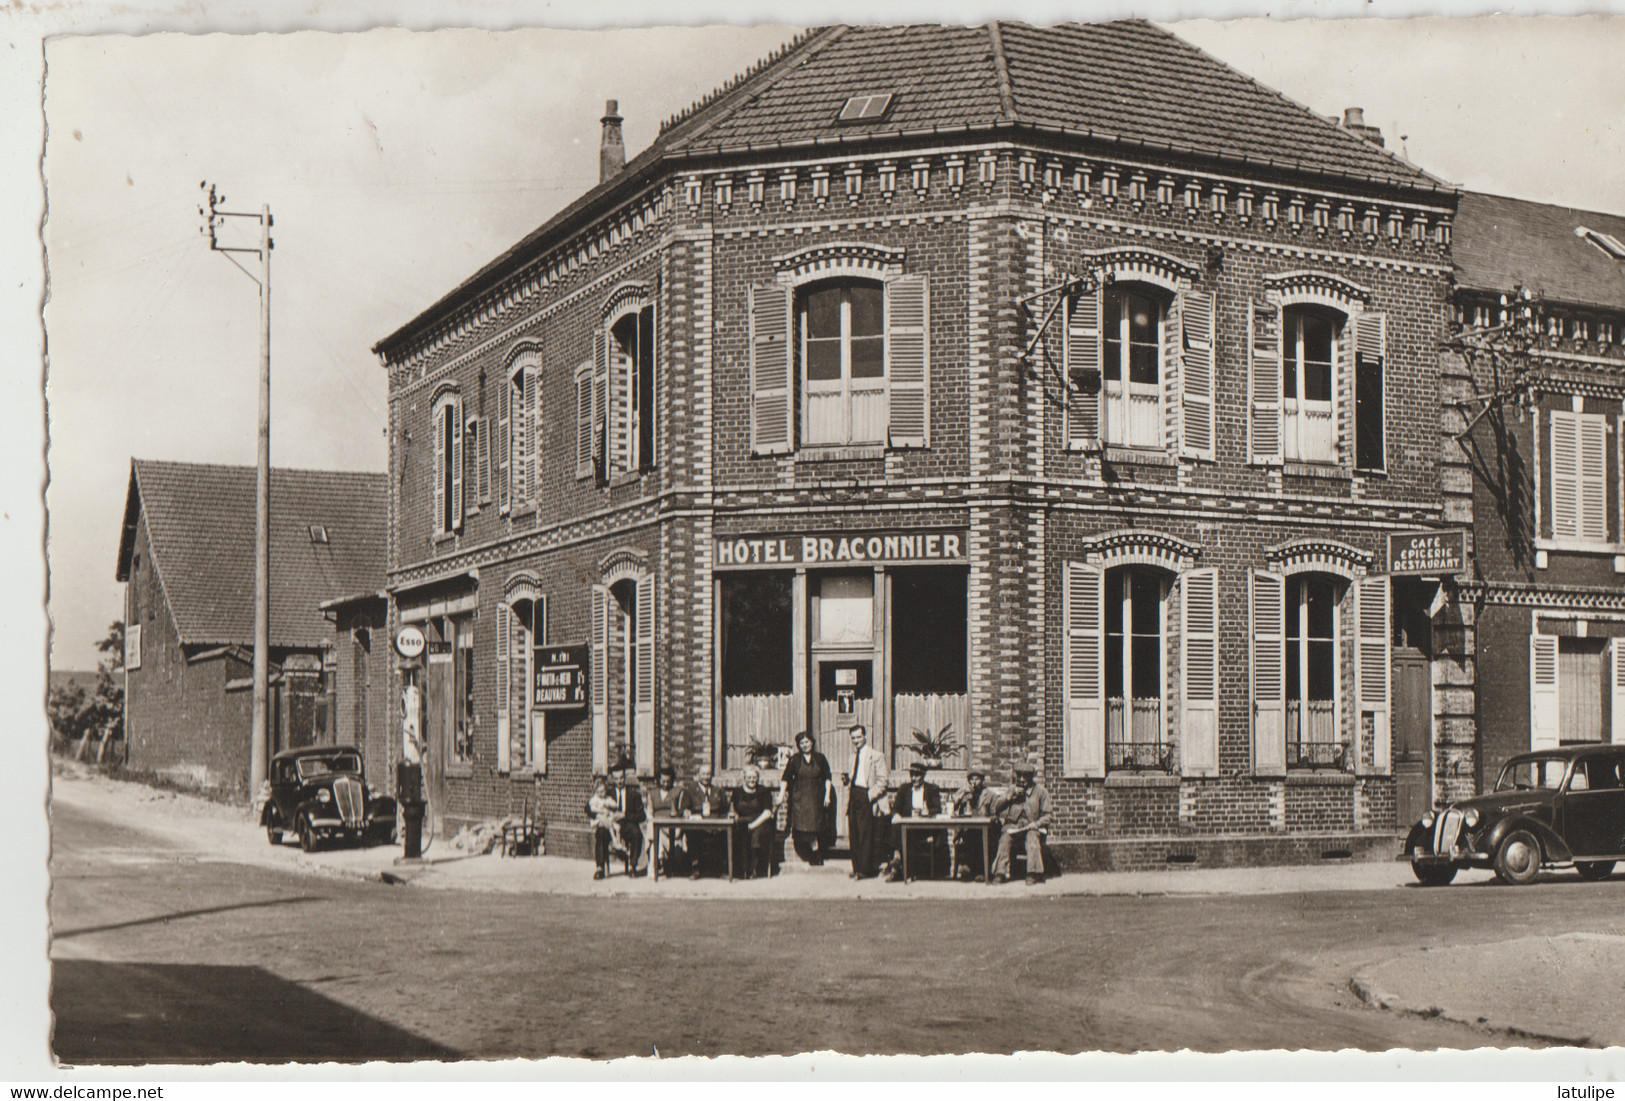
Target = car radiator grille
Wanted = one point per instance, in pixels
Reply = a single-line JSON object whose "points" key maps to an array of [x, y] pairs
{"points": [[347, 798], [1447, 831]]}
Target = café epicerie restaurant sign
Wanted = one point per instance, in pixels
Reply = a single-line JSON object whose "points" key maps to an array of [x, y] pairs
{"points": [[843, 547]]}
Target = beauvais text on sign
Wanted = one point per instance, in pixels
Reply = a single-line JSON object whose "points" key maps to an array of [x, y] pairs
{"points": [[799, 549]]}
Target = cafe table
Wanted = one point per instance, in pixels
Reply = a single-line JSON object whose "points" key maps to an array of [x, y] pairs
{"points": [[950, 825], [666, 825]]}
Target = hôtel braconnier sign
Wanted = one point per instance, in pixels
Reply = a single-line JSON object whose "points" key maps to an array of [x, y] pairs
{"points": [[842, 547], [1428, 553]]}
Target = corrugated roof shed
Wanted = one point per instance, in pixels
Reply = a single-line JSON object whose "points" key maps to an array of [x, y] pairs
{"points": [[1501, 243], [1127, 83], [201, 521]]}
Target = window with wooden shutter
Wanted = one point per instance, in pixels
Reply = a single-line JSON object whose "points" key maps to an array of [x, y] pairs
{"points": [[1616, 709], [1173, 354], [1264, 382], [533, 432], [600, 403], [584, 421], [482, 459], [1080, 355], [1197, 374], [504, 643], [1374, 665], [1199, 667], [1269, 682], [438, 429], [770, 370], [600, 679], [622, 347], [454, 419], [908, 359], [1083, 746], [643, 714], [1544, 704], [503, 445], [647, 390], [519, 436], [1370, 400], [1579, 460], [534, 744]]}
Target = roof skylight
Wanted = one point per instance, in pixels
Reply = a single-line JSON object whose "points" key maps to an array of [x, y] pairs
{"points": [[1605, 241], [865, 108]]}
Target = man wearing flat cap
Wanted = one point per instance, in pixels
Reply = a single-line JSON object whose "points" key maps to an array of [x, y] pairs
{"points": [[973, 800], [920, 799], [1024, 812]]}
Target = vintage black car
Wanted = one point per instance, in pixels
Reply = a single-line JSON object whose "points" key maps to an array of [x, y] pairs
{"points": [[321, 794], [1550, 809]]}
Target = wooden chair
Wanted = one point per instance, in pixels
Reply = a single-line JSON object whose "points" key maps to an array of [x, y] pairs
{"points": [[524, 837]]}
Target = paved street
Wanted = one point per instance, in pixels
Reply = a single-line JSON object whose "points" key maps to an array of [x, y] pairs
{"points": [[165, 953]]}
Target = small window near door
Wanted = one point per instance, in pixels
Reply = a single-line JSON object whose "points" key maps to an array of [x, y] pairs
{"points": [[846, 609]]}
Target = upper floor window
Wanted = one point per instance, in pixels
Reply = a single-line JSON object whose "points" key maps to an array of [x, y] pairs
{"points": [[615, 400], [857, 350], [446, 424], [1310, 337], [519, 430], [1132, 368], [1579, 476], [843, 362]]}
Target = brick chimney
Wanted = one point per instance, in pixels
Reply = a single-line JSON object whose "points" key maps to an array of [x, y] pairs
{"points": [[1354, 123], [611, 152]]}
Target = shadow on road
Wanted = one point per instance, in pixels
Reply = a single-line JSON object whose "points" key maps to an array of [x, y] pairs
{"points": [[192, 1013], [179, 914]]}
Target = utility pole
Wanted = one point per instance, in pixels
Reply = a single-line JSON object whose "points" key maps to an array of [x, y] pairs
{"points": [[213, 219]]}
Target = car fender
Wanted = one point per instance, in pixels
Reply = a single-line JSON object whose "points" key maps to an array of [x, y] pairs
{"points": [[1554, 848], [268, 810], [1420, 837]]}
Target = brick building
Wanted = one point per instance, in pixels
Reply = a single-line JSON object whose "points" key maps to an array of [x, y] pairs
{"points": [[1545, 455], [186, 556], [1057, 385]]}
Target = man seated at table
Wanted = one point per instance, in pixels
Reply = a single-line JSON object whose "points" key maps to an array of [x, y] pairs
{"points": [[973, 800], [1024, 812], [629, 794], [700, 798], [920, 799], [755, 807], [665, 801]]}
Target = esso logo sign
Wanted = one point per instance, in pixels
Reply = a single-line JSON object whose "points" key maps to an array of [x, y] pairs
{"points": [[409, 642]]}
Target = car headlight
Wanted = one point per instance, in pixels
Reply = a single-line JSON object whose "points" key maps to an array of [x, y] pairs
{"points": [[324, 796], [1471, 818], [1427, 820]]}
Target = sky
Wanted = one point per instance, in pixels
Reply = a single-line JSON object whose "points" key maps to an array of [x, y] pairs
{"points": [[396, 163]]}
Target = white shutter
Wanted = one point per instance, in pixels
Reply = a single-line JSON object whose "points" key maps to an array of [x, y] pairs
{"points": [[1083, 745], [1565, 437], [600, 401], [1374, 665], [600, 679], [1172, 370], [1199, 667], [455, 412], [437, 426], [482, 460], [504, 732], [908, 360], [503, 446], [1269, 679], [1264, 382], [1543, 700], [524, 426], [584, 423], [1616, 666], [1592, 433], [1197, 379], [1370, 377], [770, 370], [535, 743], [1081, 351], [620, 366], [643, 721], [1343, 363]]}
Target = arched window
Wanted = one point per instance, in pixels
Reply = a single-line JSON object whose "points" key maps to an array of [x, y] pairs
{"points": [[1311, 341], [840, 328], [519, 431], [1310, 667], [446, 426], [1132, 369], [1134, 672]]}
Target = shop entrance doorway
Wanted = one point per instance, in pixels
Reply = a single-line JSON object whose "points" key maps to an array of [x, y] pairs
{"points": [[1412, 699]]}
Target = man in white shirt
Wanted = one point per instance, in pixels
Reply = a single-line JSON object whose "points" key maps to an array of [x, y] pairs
{"points": [[863, 800]]}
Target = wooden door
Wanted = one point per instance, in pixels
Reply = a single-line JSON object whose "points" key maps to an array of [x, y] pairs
{"points": [[439, 713], [1412, 735]]}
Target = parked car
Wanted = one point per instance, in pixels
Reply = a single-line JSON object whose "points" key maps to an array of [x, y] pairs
{"points": [[1551, 809], [320, 793]]}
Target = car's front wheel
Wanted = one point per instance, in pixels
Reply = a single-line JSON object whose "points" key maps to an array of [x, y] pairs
{"points": [[307, 834], [273, 830], [1434, 875], [1594, 869], [1517, 861]]}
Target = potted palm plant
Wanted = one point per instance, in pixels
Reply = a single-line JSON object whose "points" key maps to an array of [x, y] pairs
{"points": [[934, 748]]}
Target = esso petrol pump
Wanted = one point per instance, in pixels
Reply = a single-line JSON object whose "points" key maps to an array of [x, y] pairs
{"points": [[409, 644]]}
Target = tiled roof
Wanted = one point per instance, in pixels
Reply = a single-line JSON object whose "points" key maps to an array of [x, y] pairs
{"points": [[1500, 243], [1129, 84], [200, 518]]}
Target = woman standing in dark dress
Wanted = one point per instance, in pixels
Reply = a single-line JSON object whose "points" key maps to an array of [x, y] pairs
{"points": [[810, 787]]}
